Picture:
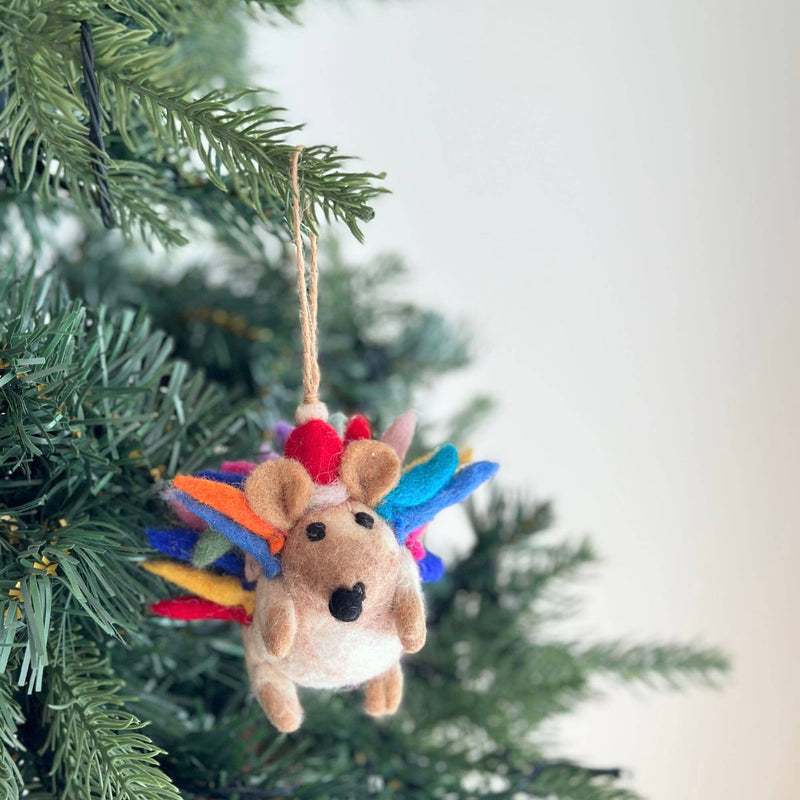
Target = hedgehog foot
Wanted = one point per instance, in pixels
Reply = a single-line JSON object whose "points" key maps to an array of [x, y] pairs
{"points": [[277, 695], [384, 693]]}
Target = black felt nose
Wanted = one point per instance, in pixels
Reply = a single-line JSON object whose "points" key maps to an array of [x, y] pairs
{"points": [[345, 604]]}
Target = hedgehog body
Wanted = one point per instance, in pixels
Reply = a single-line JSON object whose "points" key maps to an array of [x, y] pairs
{"points": [[330, 581]]}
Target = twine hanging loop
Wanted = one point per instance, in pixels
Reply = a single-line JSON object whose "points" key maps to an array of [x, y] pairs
{"points": [[307, 289]]}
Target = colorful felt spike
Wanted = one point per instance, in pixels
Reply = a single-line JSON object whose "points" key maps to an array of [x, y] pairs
{"points": [[231, 478], [458, 488], [421, 483], [357, 428], [191, 607], [222, 589], [239, 467], [211, 547], [281, 433], [400, 433], [431, 568], [414, 543], [180, 543], [229, 501], [238, 535], [176, 542], [183, 514]]}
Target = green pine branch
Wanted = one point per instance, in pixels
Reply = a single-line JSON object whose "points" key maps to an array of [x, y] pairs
{"points": [[155, 122], [377, 352], [568, 781], [673, 665], [95, 747], [95, 413], [11, 718], [488, 632]]}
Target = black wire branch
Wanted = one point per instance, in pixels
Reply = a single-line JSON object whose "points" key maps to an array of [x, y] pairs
{"points": [[92, 92]]}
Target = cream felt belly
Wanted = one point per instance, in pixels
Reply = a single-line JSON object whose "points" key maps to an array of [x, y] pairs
{"points": [[330, 654], [335, 656]]}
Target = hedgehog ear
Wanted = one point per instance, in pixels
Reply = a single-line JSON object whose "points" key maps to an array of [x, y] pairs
{"points": [[279, 492], [369, 470]]}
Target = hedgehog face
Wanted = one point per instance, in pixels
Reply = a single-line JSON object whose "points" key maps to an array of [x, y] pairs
{"points": [[342, 561]]}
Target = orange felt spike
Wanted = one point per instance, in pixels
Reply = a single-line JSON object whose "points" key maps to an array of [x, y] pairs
{"points": [[222, 589], [229, 501]]}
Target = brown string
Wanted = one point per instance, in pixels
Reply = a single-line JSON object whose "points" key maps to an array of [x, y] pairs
{"points": [[309, 294]]}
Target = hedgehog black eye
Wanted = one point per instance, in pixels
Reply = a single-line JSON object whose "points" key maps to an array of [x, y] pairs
{"points": [[365, 520], [316, 531]]}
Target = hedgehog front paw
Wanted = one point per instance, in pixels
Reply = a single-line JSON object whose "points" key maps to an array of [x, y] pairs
{"points": [[280, 630]]}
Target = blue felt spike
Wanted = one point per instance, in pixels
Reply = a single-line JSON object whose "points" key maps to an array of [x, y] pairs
{"points": [[421, 483], [231, 563], [176, 542], [458, 488], [231, 478], [180, 542], [431, 568], [238, 535]]}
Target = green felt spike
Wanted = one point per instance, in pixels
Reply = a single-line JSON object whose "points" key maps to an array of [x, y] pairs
{"points": [[210, 546]]}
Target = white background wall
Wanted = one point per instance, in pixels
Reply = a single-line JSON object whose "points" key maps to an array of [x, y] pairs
{"points": [[610, 193]]}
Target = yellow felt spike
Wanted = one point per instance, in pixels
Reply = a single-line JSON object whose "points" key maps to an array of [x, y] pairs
{"points": [[420, 460], [230, 501], [223, 589], [464, 457]]}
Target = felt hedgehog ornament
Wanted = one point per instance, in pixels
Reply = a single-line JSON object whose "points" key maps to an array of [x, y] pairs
{"points": [[317, 550], [323, 561]]}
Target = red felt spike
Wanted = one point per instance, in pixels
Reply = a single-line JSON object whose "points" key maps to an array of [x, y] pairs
{"points": [[193, 608], [357, 428], [317, 446]]}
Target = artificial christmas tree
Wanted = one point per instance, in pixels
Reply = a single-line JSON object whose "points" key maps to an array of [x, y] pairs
{"points": [[99, 407]]}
